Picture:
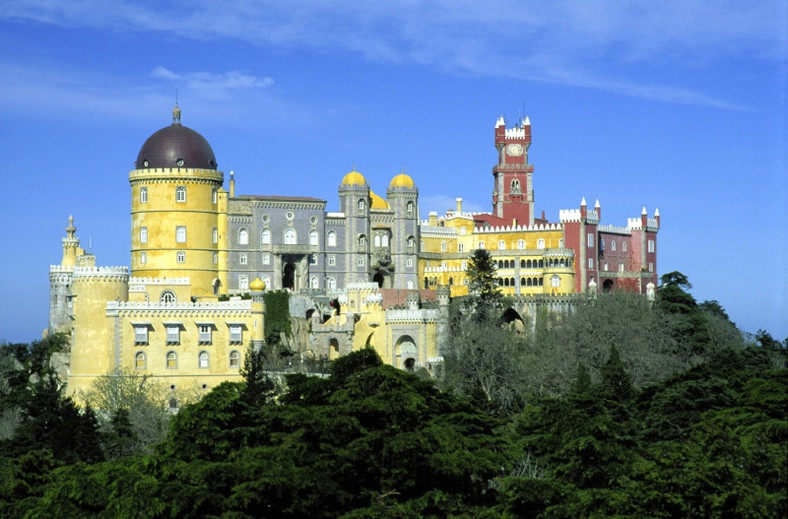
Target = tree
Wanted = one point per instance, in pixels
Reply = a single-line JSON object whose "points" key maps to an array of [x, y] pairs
{"points": [[481, 275]]}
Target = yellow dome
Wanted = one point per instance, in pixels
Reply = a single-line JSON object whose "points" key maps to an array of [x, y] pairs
{"points": [[258, 285], [402, 180], [378, 202], [354, 178]]}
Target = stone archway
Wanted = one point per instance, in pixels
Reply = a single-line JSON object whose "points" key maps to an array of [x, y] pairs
{"points": [[407, 353], [607, 286], [288, 276]]}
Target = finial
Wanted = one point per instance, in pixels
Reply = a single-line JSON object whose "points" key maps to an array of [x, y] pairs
{"points": [[644, 212], [597, 205], [176, 112], [583, 202]]}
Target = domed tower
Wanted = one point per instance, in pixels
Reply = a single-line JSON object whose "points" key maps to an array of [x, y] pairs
{"points": [[174, 208], [355, 201], [403, 196]]}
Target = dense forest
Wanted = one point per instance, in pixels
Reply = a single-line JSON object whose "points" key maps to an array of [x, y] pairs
{"points": [[624, 408]]}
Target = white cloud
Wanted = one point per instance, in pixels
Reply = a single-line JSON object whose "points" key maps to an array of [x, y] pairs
{"points": [[588, 43]]}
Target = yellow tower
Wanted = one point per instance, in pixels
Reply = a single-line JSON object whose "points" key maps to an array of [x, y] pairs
{"points": [[175, 209]]}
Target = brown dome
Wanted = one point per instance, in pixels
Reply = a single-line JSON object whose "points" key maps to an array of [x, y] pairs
{"points": [[176, 146]]}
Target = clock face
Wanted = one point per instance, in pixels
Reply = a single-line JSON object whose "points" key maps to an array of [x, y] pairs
{"points": [[514, 150]]}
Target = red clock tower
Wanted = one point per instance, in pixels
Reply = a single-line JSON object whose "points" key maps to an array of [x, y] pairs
{"points": [[513, 192]]}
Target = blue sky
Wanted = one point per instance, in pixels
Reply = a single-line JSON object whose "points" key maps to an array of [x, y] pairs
{"points": [[676, 105]]}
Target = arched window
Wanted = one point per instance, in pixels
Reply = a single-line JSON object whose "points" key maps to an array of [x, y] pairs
{"points": [[313, 238], [520, 244], [243, 237], [516, 187], [172, 360], [143, 235], [501, 245], [180, 257], [481, 245], [313, 283], [409, 208], [411, 242], [143, 257], [143, 194], [621, 266], [331, 283], [180, 234], [555, 281], [377, 240], [443, 246], [167, 297], [540, 243], [214, 235], [290, 236], [139, 360], [235, 359], [265, 237], [180, 194], [242, 259], [613, 245], [203, 359], [362, 241], [214, 195], [362, 206], [331, 239], [266, 259], [384, 240], [624, 246]]}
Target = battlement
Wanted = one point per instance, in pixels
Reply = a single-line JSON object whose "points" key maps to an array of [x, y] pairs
{"points": [[637, 224], [238, 305], [407, 315], [118, 274], [574, 215], [60, 268], [614, 229], [159, 281], [519, 228]]}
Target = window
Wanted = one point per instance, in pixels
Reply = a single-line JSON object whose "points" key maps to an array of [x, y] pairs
{"points": [[621, 266], [235, 359], [540, 243], [555, 281], [624, 246], [411, 242], [362, 241], [267, 280], [520, 244], [464, 265], [140, 334], [143, 195], [180, 234], [313, 238], [590, 239], [613, 245], [236, 333], [172, 360], [460, 247], [331, 284], [173, 333], [139, 360], [214, 235], [377, 240], [515, 187], [360, 261], [205, 333], [409, 208], [601, 244], [501, 245], [265, 237], [385, 240], [243, 282], [652, 246], [650, 267], [167, 297], [143, 235], [203, 359], [180, 257], [266, 259], [332, 239], [362, 206], [243, 237], [215, 258], [180, 194], [590, 263], [290, 236], [214, 195], [313, 282], [242, 259], [409, 262], [143, 257], [443, 246], [332, 260], [313, 259]]}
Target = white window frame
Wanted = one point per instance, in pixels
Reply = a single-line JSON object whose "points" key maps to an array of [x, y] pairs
{"points": [[652, 246], [144, 194], [171, 360], [180, 234], [204, 332], [590, 241], [332, 260], [203, 360], [236, 333], [141, 334], [143, 257], [180, 257], [173, 333], [243, 236], [214, 235], [180, 194], [234, 359], [243, 259], [143, 235], [501, 245], [291, 238], [243, 282], [140, 360], [313, 238], [265, 237], [266, 258], [331, 239]]}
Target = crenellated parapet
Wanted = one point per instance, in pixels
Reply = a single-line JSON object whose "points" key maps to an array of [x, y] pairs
{"points": [[159, 281], [575, 215], [550, 226], [101, 274]]}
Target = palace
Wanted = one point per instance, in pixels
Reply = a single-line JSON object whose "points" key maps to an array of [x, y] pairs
{"points": [[370, 274]]}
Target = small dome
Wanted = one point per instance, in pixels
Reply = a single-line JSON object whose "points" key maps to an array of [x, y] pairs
{"points": [[176, 146], [378, 202], [354, 178], [402, 180], [258, 285]]}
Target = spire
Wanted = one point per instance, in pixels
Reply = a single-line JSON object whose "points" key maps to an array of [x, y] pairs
{"points": [[583, 202], [176, 114]]}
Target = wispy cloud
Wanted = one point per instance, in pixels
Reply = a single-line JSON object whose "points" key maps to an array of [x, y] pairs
{"points": [[588, 43], [217, 86]]}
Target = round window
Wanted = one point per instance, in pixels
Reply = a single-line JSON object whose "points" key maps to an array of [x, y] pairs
{"points": [[179, 162], [290, 215]]}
